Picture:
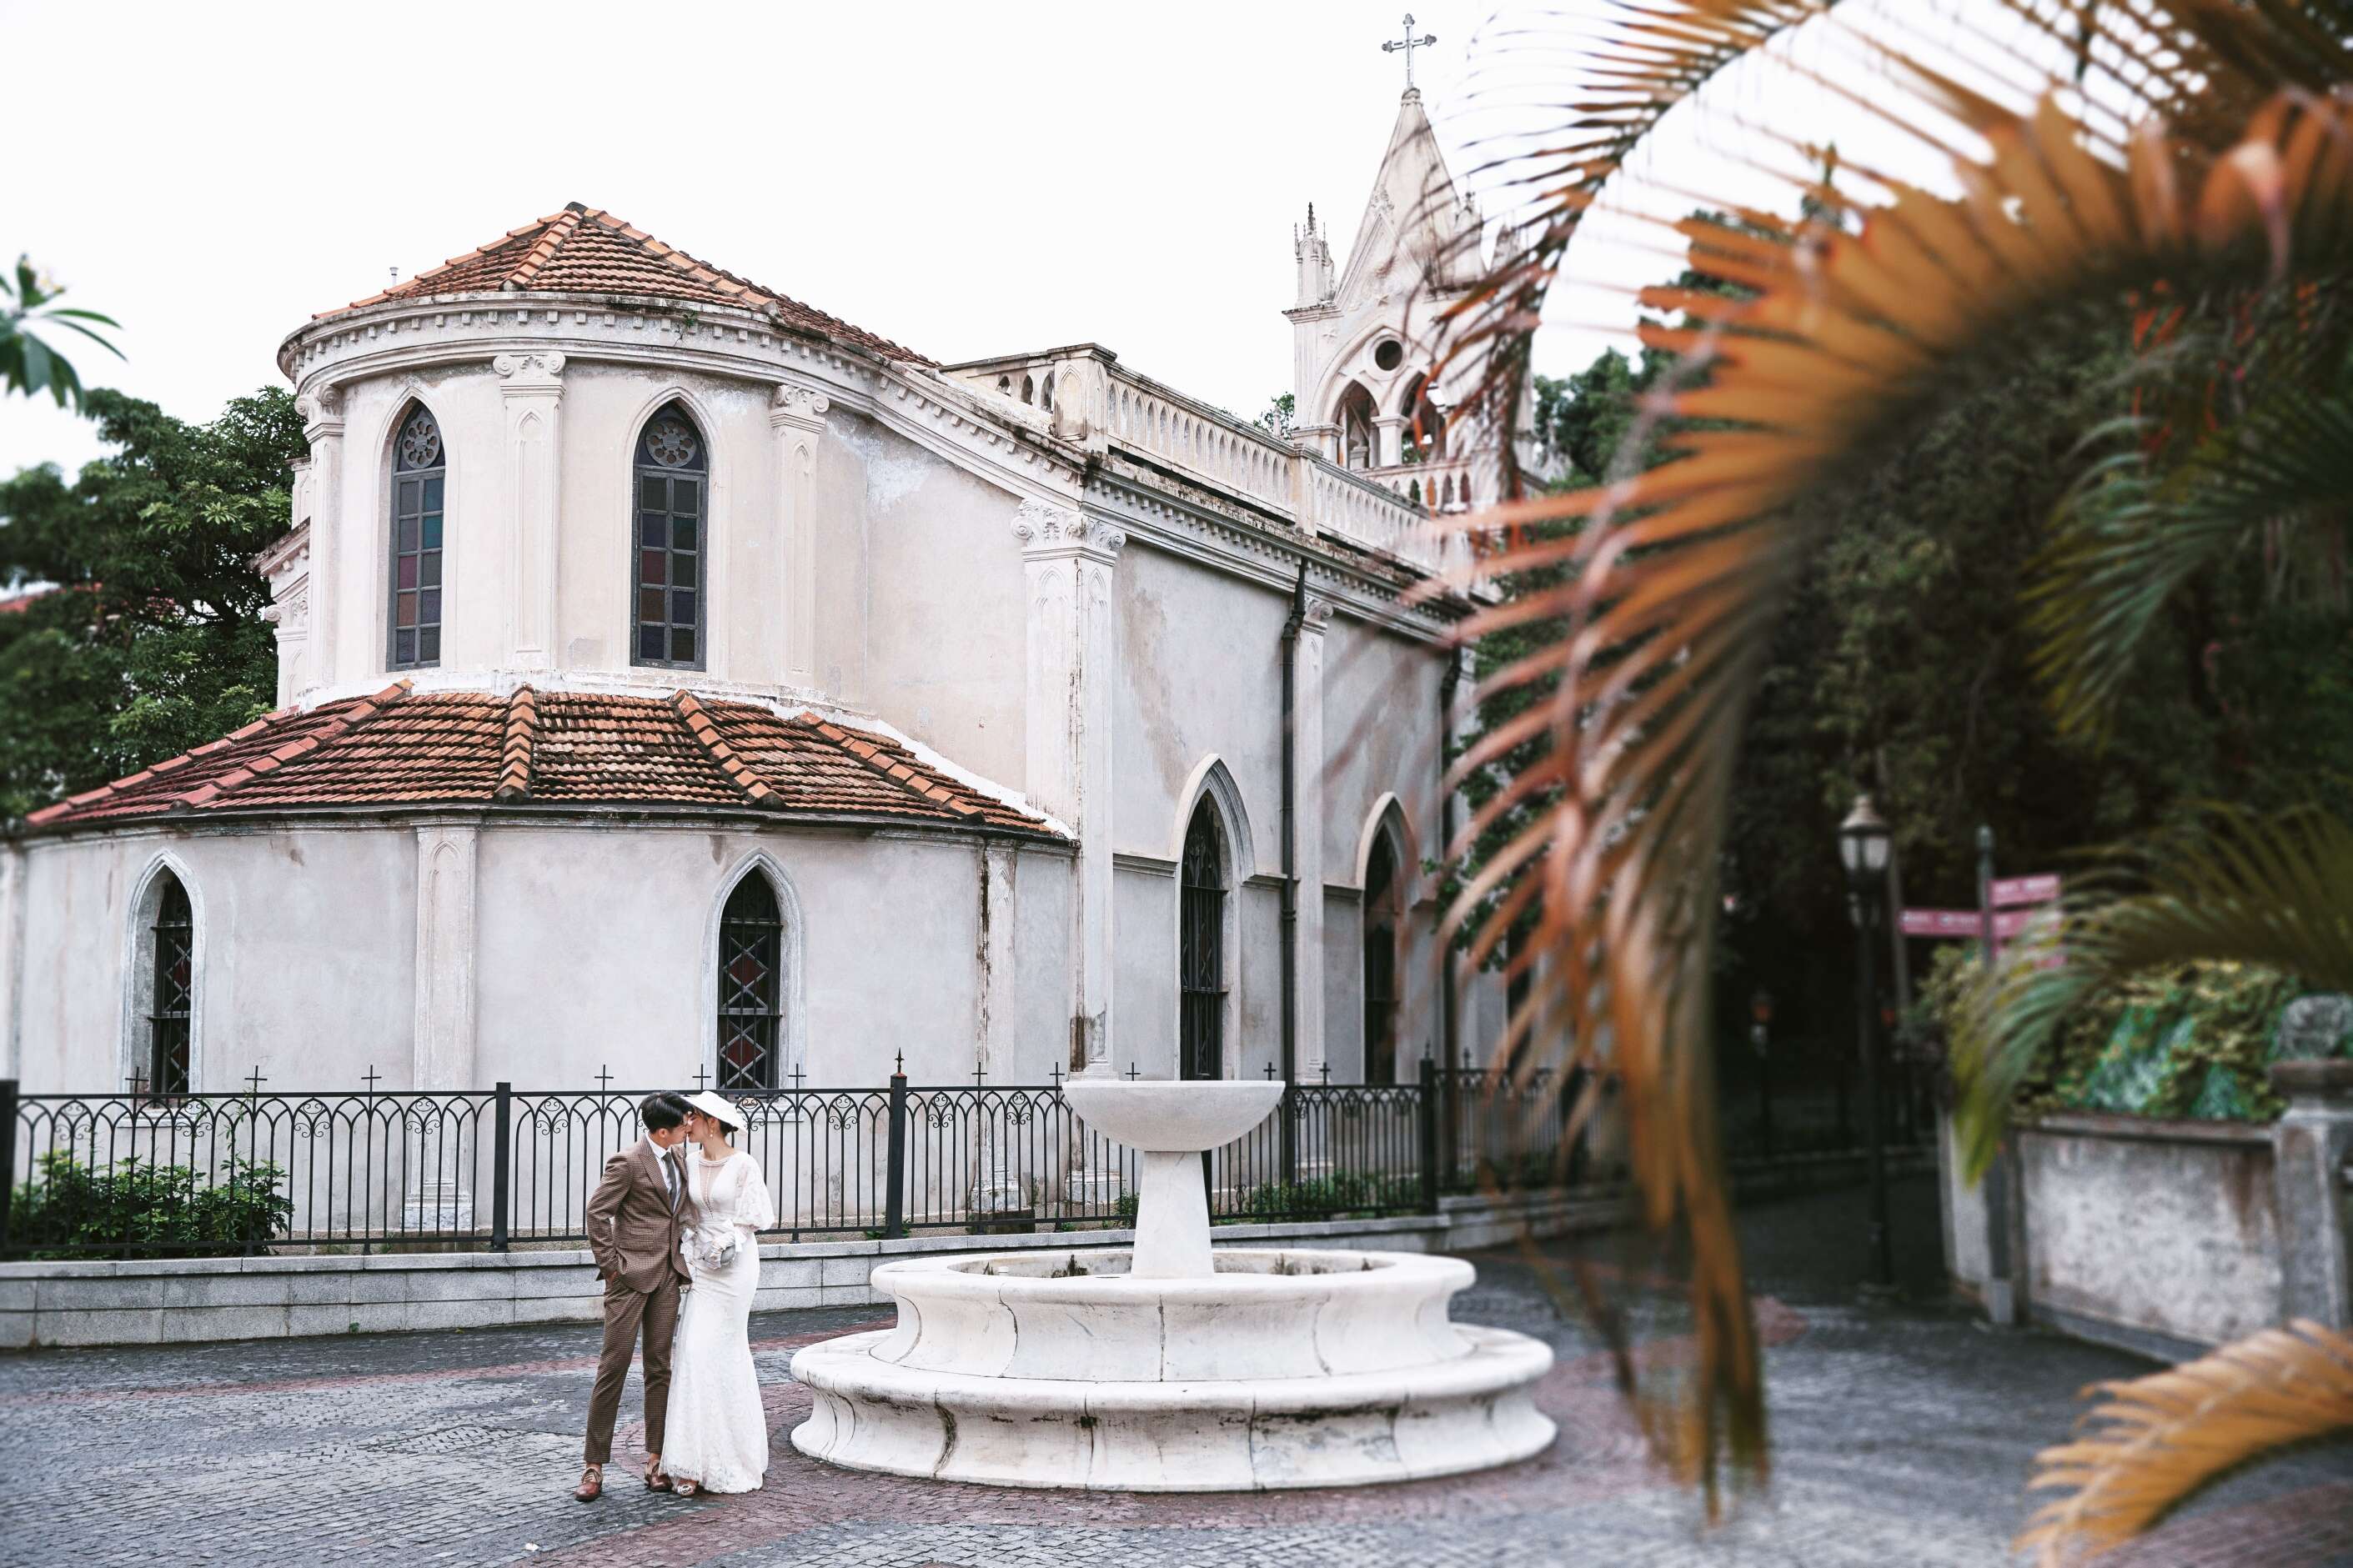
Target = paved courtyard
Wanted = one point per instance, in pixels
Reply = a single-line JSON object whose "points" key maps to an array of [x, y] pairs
{"points": [[1901, 1437]]}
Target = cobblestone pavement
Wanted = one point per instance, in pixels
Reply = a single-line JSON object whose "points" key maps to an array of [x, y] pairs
{"points": [[1901, 1437]]}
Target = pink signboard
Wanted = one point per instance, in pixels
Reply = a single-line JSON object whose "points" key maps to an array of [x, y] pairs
{"points": [[1967, 923], [2010, 890]]}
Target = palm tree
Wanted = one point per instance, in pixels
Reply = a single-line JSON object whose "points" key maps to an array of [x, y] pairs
{"points": [[27, 363], [2105, 158]]}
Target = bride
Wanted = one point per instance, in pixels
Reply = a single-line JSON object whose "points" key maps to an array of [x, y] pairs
{"points": [[718, 1431]]}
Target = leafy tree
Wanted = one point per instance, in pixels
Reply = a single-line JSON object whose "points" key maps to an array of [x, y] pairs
{"points": [[27, 362], [152, 639], [1281, 416]]}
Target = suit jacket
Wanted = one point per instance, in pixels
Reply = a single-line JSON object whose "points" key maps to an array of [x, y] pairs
{"points": [[632, 1230]]}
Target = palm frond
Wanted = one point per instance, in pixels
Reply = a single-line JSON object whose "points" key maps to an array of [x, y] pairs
{"points": [[2155, 1441], [2141, 526], [2275, 892], [1665, 586]]}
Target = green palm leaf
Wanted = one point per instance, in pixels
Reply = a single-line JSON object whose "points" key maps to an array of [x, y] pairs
{"points": [[2140, 528], [28, 365]]}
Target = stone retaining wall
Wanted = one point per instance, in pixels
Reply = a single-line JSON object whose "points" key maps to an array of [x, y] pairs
{"points": [[2166, 1237]]}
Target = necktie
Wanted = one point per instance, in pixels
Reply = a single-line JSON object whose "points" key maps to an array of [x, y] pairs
{"points": [[670, 1178]]}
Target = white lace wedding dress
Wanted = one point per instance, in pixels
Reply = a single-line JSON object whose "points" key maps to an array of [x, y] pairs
{"points": [[717, 1431]]}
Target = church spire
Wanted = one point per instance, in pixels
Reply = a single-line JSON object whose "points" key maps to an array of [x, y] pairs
{"points": [[1313, 255]]}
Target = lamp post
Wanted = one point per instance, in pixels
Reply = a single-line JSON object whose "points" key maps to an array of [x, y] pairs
{"points": [[1864, 846]]}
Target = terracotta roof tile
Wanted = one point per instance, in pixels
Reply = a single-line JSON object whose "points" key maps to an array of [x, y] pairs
{"points": [[586, 250], [543, 748]]}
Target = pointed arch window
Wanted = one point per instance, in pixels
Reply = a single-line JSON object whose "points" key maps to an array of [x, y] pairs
{"points": [[419, 476], [668, 578], [1201, 950], [172, 988], [1383, 911], [751, 992], [1355, 417]]}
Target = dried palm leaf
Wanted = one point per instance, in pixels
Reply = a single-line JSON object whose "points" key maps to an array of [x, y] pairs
{"points": [[1662, 588], [2157, 1441]]}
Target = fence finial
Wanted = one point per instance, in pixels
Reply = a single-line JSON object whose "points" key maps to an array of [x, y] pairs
{"points": [[371, 1078], [901, 1068], [254, 1081]]}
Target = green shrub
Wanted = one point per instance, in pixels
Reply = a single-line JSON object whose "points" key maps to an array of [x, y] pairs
{"points": [[1328, 1197], [134, 1209], [2191, 1042]]}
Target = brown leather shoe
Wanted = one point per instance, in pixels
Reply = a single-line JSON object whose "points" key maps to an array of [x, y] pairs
{"points": [[592, 1485]]}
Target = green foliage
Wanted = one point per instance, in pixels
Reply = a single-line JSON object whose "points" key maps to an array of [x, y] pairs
{"points": [[136, 1209], [27, 362], [1326, 1197], [2189, 1041], [153, 640], [1281, 416]]}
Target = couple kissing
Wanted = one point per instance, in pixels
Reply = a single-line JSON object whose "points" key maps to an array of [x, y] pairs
{"points": [[674, 1228]]}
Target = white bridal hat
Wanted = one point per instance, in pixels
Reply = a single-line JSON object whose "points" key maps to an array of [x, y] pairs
{"points": [[717, 1109]]}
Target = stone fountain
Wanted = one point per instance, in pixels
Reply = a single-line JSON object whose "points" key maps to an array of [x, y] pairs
{"points": [[1174, 1367]]}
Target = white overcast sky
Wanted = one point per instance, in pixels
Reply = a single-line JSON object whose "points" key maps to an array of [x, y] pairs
{"points": [[966, 179]]}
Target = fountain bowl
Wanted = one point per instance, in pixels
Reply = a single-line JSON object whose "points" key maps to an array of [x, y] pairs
{"points": [[1161, 1116]]}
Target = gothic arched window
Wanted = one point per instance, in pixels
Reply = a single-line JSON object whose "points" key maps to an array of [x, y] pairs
{"points": [[1425, 430], [1354, 417], [172, 988], [1383, 909], [670, 577], [751, 992], [420, 469], [1201, 950]]}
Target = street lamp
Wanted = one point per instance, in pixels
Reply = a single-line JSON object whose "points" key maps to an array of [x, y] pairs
{"points": [[1864, 846]]}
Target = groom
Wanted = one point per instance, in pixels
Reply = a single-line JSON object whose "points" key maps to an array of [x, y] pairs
{"points": [[634, 1217]]}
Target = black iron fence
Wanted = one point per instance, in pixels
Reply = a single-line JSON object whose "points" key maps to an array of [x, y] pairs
{"points": [[196, 1174]]}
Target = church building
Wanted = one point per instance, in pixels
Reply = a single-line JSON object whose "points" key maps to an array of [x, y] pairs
{"points": [[676, 680]]}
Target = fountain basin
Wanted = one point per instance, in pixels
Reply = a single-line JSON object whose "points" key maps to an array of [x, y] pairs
{"points": [[1080, 1316], [1225, 1434]]}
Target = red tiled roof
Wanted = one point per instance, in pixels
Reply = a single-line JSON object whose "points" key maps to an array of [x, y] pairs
{"points": [[541, 748], [586, 250]]}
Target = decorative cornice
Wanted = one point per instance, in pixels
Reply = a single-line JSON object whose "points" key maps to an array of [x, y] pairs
{"points": [[530, 374], [1316, 617], [1046, 530]]}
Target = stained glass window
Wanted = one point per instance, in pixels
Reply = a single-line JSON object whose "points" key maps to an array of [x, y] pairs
{"points": [[1201, 951], [419, 473], [751, 944], [668, 555], [170, 1005]]}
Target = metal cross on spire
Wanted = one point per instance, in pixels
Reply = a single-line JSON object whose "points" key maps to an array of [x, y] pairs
{"points": [[1408, 44]]}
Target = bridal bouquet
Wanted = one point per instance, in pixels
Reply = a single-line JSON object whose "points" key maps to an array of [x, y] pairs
{"points": [[714, 1251]]}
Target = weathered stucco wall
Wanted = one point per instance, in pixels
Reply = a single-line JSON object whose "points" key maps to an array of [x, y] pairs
{"points": [[594, 946], [305, 939], [2168, 1229]]}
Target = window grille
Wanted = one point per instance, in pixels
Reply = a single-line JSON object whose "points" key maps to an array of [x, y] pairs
{"points": [[419, 469], [1201, 951], [171, 1001], [751, 942], [670, 586]]}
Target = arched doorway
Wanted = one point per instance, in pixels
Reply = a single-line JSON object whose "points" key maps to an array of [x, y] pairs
{"points": [[1384, 920]]}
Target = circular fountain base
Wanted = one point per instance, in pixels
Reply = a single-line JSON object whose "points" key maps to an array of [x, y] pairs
{"points": [[1282, 1369]]}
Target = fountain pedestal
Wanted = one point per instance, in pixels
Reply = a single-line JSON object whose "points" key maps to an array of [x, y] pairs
{"points": [[1172, 1366]]}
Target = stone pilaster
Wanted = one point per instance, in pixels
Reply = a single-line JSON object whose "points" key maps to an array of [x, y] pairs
{"points": [[798, 415], [1069, 560], [444, 1048], [1388, 439], [2312, 1147], [998, 1186], [534, 392], [323, 426], [1309, 766]]}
